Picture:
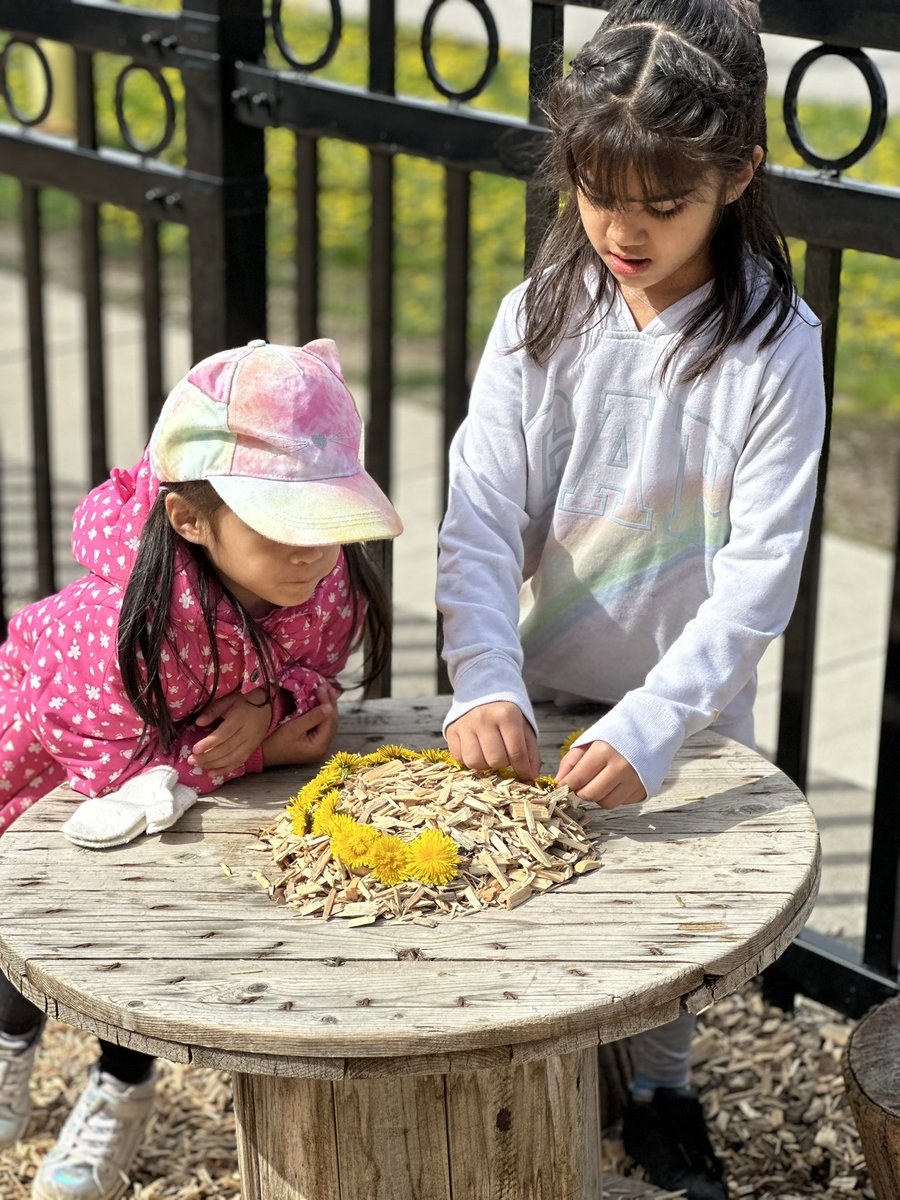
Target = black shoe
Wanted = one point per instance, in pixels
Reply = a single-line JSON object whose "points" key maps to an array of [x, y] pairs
{"points": [[667, 1137]]}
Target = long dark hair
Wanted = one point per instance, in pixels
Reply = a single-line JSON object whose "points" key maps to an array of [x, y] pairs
{"points": [[144, 620], [672, 91]]}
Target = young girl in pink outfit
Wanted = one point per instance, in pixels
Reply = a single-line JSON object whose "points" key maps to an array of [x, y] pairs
{"points": [[226, 587]]}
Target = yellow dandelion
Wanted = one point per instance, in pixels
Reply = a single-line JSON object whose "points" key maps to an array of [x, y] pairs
{"points": [[389, 859], [433, 857], [298, 811], [350, 841], [324, 814], [370, 760], [547, 783], [573, 737], [386, 753], [344, 763], [440, 756], [327, 777], [311, 793]]}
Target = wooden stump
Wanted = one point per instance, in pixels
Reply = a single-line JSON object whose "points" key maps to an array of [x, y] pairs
{"points": [[872, 1074], [530, 1129]]}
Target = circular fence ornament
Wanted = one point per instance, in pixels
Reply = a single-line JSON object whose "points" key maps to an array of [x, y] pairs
{"points": [[493, 52], [334, 38], [877, 114], [407, 835], [154, 148], [6, 91]]}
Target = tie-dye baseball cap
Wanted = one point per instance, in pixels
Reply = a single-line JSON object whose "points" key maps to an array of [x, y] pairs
{"points": [[275, 430]]}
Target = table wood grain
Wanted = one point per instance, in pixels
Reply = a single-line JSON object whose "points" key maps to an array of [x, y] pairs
{"points": [[154, 945]]}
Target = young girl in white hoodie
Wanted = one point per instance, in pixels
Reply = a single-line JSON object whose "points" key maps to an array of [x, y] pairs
{"points": [[630, 494]]}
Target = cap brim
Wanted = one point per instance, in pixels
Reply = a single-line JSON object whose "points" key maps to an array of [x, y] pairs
{"points": [[314, 512]]}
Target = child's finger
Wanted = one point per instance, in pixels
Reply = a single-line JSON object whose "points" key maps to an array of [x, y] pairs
{"points": [[214, 710], [574, 756], [313, 717], [519, 753]]}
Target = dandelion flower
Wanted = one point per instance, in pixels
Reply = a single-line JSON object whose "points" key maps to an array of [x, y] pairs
{"points": [[344, 763], [350, 841], [386, 753], [298, 810], [311, 793], [573, 737], [547, 783], [433, 857], [389, 859], [440, 756], [324, 814]]}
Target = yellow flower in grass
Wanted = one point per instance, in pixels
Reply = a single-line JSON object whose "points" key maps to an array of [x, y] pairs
{"points": [[573, 737], [389, 859], [350, 841], [433, 857], [324, 814]]}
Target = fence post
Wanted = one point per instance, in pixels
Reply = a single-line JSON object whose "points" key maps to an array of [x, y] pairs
{"points": [[227, 223]]}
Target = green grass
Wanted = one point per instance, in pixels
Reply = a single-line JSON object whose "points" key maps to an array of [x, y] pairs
{"points": [[869, 356]]}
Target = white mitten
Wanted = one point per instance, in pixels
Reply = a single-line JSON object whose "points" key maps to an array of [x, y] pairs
{"points": [[152, 802]]}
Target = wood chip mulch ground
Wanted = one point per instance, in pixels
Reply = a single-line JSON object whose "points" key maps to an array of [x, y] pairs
{"points": [[771, 1084]]}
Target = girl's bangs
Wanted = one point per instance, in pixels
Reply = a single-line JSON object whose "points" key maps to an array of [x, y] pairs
{"points": [[616, 165]]}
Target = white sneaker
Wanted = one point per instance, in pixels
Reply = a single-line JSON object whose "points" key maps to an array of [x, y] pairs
{"points": [[16, 1063], [98, 1142]]}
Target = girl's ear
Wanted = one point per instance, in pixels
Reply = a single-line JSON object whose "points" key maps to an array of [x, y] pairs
{"points": [[185, 519], [739, 182]]}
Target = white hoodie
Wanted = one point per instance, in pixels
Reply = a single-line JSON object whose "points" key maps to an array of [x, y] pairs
{"points": [[619, 538]]}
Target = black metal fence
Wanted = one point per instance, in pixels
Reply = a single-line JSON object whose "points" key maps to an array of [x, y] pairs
{"points": [[233, 93]]}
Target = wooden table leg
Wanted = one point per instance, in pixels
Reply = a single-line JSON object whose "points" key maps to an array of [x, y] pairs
{"points": [[532, 1129]]}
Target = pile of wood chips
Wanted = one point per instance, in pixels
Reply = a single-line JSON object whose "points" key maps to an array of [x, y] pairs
{"points": [[514, 840], [769, 1081]]}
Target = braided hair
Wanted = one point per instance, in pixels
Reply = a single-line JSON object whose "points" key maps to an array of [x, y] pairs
{"points": [[671, 93]]}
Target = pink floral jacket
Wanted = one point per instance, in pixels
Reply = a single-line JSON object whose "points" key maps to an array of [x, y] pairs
{"points": [[64, 716]]}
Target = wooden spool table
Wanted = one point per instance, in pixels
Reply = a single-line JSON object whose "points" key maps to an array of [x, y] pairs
{"points": [[396, 1062]]}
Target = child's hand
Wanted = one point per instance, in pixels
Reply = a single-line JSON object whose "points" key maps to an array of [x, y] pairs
{"points": [[305, 738], [245, 719], [495, 735], [599, 773]]}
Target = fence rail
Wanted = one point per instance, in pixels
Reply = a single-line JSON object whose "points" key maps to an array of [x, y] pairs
{"points": [[232, 95]]}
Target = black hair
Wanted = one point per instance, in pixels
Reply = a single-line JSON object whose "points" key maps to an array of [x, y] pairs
{"points": [[144, 630], [674, 92]]}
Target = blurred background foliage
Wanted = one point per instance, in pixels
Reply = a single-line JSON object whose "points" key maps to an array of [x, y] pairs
{"points": [[869, 357]]}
